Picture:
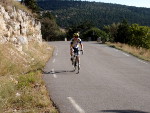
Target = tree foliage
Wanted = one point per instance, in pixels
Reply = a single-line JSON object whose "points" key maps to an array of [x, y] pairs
{"points": [[70, 12], [134, 34], [81, 28], [50, 29], [140, 36], [122, 32], [89, 18], [31, 4], [112, 30], [95, 33]]}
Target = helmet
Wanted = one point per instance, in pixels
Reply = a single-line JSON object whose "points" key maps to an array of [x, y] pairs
{"points": [[76, 34]]}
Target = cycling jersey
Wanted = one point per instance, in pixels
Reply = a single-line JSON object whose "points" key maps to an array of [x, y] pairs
{"points": [[75, 43]]}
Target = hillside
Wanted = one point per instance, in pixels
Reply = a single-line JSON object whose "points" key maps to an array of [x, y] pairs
{"points": [[74, 12]]}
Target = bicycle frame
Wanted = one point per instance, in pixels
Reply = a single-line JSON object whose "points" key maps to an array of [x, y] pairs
{"points": [[76, 62]]}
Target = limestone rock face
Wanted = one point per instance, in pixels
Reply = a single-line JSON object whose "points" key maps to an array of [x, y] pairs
{"points": [[18, 27]]}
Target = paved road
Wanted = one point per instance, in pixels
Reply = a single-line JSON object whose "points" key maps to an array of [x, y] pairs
{"points": [[110, 81]]}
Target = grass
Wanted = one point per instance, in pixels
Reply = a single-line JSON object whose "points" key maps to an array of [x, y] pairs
{"points": [[138, 52], [22, 88], [16, 4]]}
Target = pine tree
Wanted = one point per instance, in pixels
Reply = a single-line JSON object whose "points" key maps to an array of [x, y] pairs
{"points": [[31, 4]]}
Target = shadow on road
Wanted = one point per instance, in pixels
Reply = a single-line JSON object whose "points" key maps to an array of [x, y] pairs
{"points": [[58, 71], [123, 111]]}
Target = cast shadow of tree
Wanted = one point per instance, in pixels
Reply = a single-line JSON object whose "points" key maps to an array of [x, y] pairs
{"points": [[123, 111]]}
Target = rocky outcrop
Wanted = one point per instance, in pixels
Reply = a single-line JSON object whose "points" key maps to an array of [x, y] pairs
{"points": [[18, 27]]}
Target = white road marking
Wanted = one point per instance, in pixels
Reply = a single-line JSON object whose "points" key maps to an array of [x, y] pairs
{"points": [[55, 76], [53, 72], [53, 60], [75, 105], [125, 54], [142, 61], [56, 50]]}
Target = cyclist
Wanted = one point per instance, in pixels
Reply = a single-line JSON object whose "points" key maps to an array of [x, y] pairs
{"points": [[74, 46]]}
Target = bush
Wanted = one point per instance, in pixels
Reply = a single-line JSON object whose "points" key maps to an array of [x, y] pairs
{"points": [[50, 29], [140, 36], [95, 33]]}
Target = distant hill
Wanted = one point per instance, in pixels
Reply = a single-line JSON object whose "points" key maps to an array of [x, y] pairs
{"points": [[70, 12]]}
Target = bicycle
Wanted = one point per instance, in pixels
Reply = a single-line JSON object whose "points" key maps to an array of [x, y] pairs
{"points": [[75, 62]]}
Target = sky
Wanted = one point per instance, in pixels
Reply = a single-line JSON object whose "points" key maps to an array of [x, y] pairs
{"points": [[137, 3]]}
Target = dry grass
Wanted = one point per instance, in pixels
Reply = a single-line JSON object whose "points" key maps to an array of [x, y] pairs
{"points": [[11, 60], [138, 52], [21, 86], [16, 4]]}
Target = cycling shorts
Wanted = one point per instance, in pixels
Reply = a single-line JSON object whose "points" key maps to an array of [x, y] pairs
{"points": [[76, 51]]}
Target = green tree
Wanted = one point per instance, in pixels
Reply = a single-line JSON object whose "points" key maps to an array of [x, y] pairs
{"points": [[50, 29], [74, 12], [81, 28], [112, 31], [122, 35], [47, 14], [22, 1], [95, 33], [31, 4], [140, 36]]}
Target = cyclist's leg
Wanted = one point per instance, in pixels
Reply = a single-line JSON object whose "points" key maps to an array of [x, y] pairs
{"points": [[71, 54], [78, 58], [76, 54]]}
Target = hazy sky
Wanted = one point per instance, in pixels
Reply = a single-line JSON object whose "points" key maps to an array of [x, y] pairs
{"points": [[137, 3]]}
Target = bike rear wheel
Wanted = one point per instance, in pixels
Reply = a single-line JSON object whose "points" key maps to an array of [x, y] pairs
{"points": [[78, 67], [76, 64]]}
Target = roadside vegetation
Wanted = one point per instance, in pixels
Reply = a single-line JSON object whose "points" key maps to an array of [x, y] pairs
{"points": [[17, 5], [132, 38], [50, 30], [138, 52], [131, 34], [22, 88]]}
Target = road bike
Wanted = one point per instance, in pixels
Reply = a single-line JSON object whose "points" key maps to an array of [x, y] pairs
{"points": [[75, 61]]}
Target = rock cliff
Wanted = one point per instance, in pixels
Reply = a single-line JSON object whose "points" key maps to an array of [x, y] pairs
{"points": [[18, 27]]}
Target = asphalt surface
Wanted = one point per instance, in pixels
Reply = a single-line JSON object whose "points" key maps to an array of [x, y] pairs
{"points": [[110, 81]]}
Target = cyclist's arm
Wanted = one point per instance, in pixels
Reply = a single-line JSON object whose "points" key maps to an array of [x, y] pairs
{"points": [[71, 48], [71, 45], [81, 45]]}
